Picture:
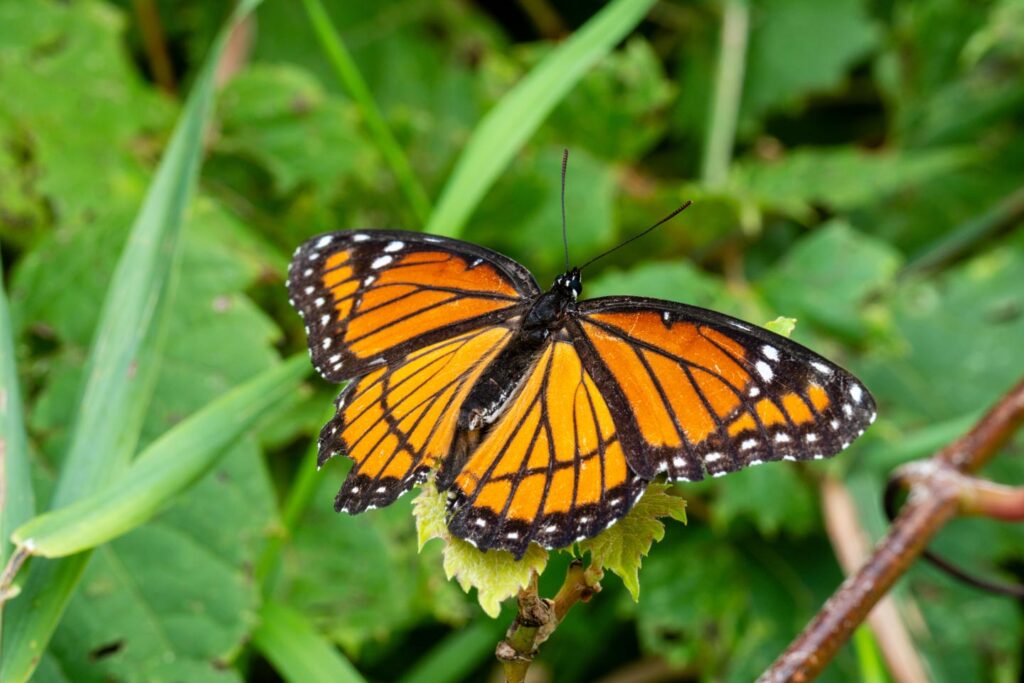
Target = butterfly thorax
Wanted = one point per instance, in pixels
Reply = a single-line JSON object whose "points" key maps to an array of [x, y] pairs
{"points": [[548, 312], [502, 380]]}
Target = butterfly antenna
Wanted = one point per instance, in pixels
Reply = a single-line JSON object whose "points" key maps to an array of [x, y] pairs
{"points": [[636, 237], [565, 236]]}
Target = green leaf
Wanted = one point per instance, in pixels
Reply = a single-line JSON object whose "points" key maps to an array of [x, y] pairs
{"points": [[18, 499], [781, 326], [509, 125], [774, 499], [297, 651], [618, 111], [674, 281], [622, 547], [174, 599], [161, 471], [827, 277], [391, 588], [798, 47], [281, 118], [120, 373], [840, 178], [496, 574]]}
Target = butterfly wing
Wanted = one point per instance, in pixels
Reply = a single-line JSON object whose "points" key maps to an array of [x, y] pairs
{"points": [[551, 470], [693, 391], [399, 421], [371, 297]]}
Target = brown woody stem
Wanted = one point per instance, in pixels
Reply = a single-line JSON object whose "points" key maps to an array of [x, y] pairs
{"points": [[538, 618], [938, 492]]}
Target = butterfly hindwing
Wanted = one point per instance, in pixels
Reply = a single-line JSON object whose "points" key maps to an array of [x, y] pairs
{"points": [[552, 470], [705, 393], [370, 297], [399, 421]]}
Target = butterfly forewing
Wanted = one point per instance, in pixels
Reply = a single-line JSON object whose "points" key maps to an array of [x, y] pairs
{"points": [[371, 297], [701, 392]]}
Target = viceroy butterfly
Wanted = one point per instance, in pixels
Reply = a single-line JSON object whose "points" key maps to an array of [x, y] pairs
{"points": [[543, 415]]}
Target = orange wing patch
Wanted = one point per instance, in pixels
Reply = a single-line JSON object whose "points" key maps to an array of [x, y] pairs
{"points": [[372, 297], [551, 470], [705, 395], [397, 423]]}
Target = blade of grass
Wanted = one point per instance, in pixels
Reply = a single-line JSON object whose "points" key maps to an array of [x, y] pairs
{"points": [[16, 500], [121, 370], [352, 81], [163, 470], [508, 126], [725, 105], [459, 655], [297, 651]]}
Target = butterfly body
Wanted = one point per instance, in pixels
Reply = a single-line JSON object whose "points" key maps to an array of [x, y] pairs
{"points": [[543, 416]]}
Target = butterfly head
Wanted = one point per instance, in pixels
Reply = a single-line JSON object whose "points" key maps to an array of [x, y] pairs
{"points": [[570, 282]]}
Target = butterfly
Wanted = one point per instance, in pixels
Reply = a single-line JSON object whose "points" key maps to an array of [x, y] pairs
{"points": [[543, 416]]}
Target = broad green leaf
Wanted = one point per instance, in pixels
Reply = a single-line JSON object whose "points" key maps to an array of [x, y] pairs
{"points": [[618, 111], [511, 123], [297, 651], [174, 599], [622, 547], [88, 153], [674, 281], [957, 339], [120, 373], [281, 118], [827, 277], [840, 178], [458, 655], [774, 499], [389, 589], [798, 47], [495, 574]]}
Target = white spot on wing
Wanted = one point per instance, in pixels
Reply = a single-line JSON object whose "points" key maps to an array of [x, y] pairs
{"points": [[678, 462], [821, 367], [327, 343], [748, 444], [856, 393], [782, 438], [323, 241], [712, 457], [770, 352], [764, 370], [309, 290], [381, 261], [319, 301], [754, 391], [393, 247], [811, 438], [360, 237], [479, 521], [369, 280]]}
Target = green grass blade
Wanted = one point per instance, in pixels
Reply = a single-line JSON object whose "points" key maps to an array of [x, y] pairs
{"points": [[297, 651], [458, 655], [16, 500], [507, 127], [163, 470], [355, 86], [121, 370]]}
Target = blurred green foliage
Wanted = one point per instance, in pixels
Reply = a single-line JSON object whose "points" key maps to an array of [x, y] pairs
{"points": [[869, 135]]}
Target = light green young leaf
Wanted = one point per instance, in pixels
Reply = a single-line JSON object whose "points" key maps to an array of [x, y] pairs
{"points": [[782, 326], [622, 547], [496, 574]]}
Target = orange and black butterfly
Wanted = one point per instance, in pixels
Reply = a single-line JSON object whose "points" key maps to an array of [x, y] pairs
{"points": [[544, 416]]}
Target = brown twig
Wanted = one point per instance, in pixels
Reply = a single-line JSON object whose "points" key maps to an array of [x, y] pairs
{"points": [[937, 494], [538, 618]]}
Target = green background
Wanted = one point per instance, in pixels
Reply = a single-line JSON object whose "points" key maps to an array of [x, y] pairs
{"points": [[857, 165]]}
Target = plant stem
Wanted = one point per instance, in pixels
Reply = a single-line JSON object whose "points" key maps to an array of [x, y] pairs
{"points": [[935, 497], [725, 104], [538, 617], [352, 80]]}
